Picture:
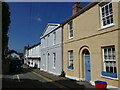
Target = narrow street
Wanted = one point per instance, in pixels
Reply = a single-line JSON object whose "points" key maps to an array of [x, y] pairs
{"points": [[36, 79], [28, 79]]}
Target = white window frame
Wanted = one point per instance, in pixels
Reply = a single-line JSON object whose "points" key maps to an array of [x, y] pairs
{"points": [[44, 59], [54, 38], [111, 62], [70, 59], [106, 16], [54, 60], [70, 29]]}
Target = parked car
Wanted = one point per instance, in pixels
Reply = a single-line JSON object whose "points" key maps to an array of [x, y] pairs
{"points": [[15, 65]]}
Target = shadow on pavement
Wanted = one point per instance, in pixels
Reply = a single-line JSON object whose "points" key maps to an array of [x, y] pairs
{"points": [[24, 70], [37, 84], [8, 83]]}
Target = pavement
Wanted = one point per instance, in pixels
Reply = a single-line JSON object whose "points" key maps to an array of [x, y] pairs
{"points": [[69, 83]]}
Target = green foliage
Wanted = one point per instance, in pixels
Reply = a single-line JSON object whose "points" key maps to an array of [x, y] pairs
{"points": [[5, 27], [62, 74]]}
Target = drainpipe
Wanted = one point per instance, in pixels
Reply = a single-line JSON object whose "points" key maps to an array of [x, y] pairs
{"points": [[62, 45], [79, 65]]}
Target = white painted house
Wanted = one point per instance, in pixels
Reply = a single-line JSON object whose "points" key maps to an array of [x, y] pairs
{"points": [[51, 49], [13, 55], [26, 55], [33, 55]]}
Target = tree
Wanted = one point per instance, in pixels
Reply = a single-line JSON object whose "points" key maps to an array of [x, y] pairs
{"points": [[5, 28]]}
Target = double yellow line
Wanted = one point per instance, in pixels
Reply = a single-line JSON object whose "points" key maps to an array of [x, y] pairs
{"points": [[49, 80]]}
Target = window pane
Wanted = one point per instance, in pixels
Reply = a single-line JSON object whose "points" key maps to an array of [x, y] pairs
{"points": [[71, 64], [105, 51], [106, 12], [70, 58], [107, 63], [111, 69], [115, 71], [106, 8], [108, 21], [103, 14], [109, 54], [103, 9], [113, 51], [105, 56], [111, 18], [104, 22], [70, 29], [110, 6], [107, 69], [71, 33]]}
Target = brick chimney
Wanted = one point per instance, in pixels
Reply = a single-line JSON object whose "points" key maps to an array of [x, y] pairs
{"points": [[76, 8]]}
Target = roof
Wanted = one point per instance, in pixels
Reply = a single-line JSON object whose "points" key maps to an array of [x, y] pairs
{"points": [[81, 11], [34, 45], [50, 27]]}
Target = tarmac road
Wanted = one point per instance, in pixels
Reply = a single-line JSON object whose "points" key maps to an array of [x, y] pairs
{"points": [[28, 79]]}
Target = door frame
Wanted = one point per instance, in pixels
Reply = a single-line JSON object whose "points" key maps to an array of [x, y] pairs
{"points": [[82, 69]]}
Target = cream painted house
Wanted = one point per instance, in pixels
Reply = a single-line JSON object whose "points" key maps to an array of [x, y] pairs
{"points": [[91, 43]]}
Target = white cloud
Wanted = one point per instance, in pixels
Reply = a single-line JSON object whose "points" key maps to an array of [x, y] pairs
{"points": [[37, 19]]}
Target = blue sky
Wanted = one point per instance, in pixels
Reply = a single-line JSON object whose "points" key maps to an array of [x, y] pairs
{"points": [[28, 20]]}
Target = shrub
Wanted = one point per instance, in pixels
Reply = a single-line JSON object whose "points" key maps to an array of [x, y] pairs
{"points": [[62, 74]]}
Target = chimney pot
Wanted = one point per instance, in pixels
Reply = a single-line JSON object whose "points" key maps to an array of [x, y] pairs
{"points": [[76, 8]]}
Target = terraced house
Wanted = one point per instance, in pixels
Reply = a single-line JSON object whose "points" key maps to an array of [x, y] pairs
{"points": [[32, 55], [91, 43], [51, 49]]}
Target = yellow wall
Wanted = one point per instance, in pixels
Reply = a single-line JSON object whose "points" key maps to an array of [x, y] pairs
{"points": [[119, 44], [86, 33]]}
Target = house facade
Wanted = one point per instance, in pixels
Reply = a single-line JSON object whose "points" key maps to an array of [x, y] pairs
{"points": [[26, 55], [91, 44], [13, 55], [33, 55], [51, 49]]}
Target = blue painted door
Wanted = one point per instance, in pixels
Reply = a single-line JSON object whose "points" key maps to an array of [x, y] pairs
{"points": [[87, 68]]}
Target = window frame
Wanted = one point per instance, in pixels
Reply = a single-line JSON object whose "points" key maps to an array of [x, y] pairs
{"points": [[54, 60], [106, 16], [70, 29], [54, 38], [109, 62], [70, 60]]}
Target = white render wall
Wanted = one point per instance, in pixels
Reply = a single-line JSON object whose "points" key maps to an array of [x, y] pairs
{"points": [[33, 52], [48, 48]]}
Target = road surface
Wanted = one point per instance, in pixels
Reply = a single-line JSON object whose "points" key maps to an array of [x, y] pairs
{"points": [[28, 79]]}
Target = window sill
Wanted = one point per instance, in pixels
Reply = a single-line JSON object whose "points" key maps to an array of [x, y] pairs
{"points": [[109, 75], [70, 38], [70, 68], [107, 26]]}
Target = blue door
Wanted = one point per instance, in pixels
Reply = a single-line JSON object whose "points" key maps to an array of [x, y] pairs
{"points": [[87, 68]]}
